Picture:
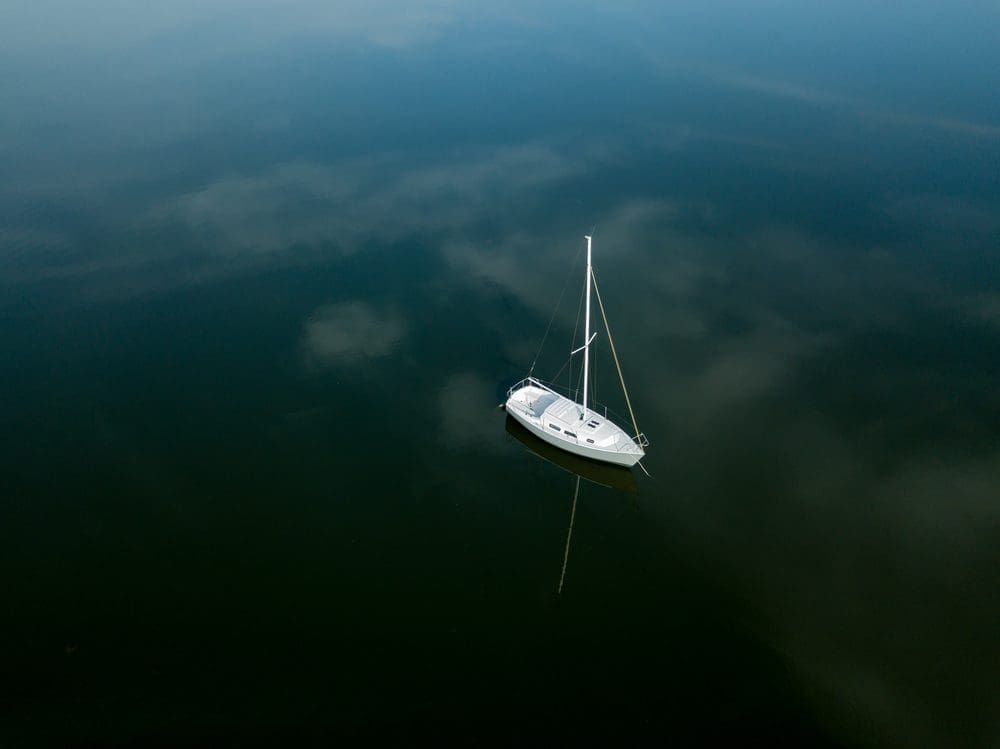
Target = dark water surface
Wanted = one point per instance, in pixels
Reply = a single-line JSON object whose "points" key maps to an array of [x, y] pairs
{"points": [[266, 271]]}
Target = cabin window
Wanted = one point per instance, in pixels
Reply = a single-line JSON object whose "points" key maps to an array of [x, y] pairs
{"points": [[590, 440], [570, 434], [555, 427]]}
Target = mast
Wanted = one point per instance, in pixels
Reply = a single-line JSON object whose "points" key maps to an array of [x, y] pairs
{"points": [[586, 336]]}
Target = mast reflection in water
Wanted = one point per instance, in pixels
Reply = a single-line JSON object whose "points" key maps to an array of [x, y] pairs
{"points": [[604, 474]]}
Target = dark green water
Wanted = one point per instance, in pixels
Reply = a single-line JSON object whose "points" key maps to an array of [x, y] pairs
{"points": [[266, 272]]}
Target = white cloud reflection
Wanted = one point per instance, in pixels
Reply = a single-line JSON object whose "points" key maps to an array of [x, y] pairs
{"points": [[349, 334], [347, 204], [811, 94], [118, 24]]}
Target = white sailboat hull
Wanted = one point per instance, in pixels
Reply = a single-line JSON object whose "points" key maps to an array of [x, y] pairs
{"points": [[557, 420]]}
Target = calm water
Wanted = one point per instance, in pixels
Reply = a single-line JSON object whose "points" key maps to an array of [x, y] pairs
{"points": [[266, 272]]}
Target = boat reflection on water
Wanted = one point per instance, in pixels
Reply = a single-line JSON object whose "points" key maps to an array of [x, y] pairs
{"points": [[605, 474]]}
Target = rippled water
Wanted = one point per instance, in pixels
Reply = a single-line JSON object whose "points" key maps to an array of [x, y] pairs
{"points": [[266, 272]]}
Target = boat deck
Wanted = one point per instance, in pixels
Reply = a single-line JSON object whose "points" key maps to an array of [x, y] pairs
{"points": [[561, 421]]}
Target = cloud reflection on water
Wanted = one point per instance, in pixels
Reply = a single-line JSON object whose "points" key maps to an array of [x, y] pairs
{"points": [[822, 405], [384, 199], [349, 334]]}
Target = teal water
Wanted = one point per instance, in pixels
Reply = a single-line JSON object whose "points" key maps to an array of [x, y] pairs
{"points": [[266, 273]]}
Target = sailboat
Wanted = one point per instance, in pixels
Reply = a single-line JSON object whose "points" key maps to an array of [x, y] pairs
{"points": [[571, 426]]}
